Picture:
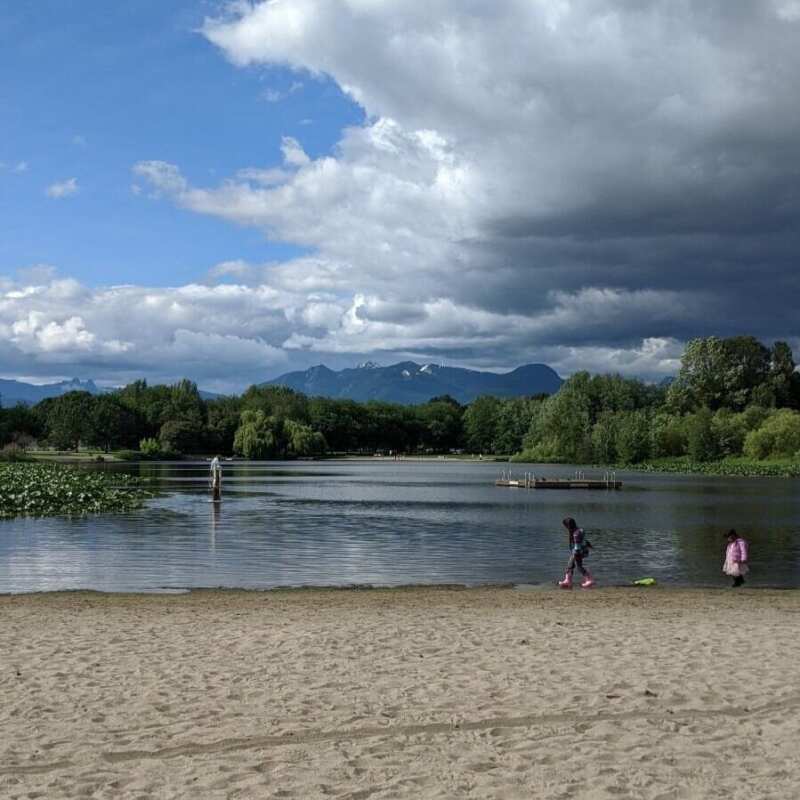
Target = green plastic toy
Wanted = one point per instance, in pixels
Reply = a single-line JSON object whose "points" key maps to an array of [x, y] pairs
{"points": [[645, 582]]}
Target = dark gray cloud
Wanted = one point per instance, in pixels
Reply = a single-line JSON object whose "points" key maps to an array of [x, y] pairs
{"points": [[587, 183], [643, 147]]}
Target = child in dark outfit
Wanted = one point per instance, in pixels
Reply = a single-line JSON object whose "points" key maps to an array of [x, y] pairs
{"points": [[579, 547]]}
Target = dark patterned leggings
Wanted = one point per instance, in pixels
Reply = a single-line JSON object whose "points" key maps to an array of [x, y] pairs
{"points": [[576, 560]]}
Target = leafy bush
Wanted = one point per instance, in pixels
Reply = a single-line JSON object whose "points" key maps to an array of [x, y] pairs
{"points": [[778, 436], [150, 447]]}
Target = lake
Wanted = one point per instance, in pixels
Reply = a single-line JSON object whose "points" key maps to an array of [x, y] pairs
{"points": [[338, 523]]}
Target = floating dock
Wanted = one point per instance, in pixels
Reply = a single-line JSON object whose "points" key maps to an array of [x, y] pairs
{"points": [[530, 481]]}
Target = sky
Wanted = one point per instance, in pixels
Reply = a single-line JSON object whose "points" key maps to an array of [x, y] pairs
{"points": [[230, 191]]}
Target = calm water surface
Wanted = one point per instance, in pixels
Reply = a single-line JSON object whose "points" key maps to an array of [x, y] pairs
{"points": [[392, 523]]}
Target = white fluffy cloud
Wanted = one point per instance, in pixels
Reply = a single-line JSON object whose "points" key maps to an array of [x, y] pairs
{"points": [[586, 182], [594, 174], [62, 188], [227, 335], [217, 333]]}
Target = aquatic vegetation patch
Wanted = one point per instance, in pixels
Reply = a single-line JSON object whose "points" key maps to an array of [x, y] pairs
{"points": [[40, 490], [729, 467], [734, 467]]}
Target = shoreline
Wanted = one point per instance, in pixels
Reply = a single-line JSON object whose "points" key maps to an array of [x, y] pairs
{"points": [[421, 692], [517, 588]]}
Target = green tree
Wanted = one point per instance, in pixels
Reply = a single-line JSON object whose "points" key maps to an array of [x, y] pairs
{"points": [[19, 424], [181, 435], [702, 444], [513, 420], [633, 436], [717, 373], [67, 419], [729, 430], [604, 438], [302, 440], [222, 414], [150, 406], [668, 435], [561, 429], [480, 424], [110, 425], [280, 402], [440, 424], [341, 422], [390, 426], [783, 379], [256, 437]]}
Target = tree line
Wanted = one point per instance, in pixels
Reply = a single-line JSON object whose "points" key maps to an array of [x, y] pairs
{"points": [[731, 397], [264, 422]]}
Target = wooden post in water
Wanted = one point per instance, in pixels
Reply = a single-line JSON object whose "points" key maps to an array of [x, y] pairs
{"points": [[216, 480]]}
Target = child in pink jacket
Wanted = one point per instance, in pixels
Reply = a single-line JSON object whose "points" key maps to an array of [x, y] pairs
{"points": [[736, 558]]}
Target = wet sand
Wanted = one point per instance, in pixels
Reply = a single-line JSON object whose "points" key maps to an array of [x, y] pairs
{"points": [[418, 693]]}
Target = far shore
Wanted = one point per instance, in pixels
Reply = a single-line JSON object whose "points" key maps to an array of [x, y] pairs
{"points": [[420, 692], [727, 468]]}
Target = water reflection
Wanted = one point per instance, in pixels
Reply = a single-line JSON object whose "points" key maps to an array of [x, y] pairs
{"points": [[340, 523], [216, 513]]}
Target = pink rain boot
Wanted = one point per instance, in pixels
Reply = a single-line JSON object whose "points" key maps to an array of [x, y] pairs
{"points": [[567, 582], [588, 581]]}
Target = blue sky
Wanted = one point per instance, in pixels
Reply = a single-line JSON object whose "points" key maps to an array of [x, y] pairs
{"points": [[89, 89], [228, 191]]}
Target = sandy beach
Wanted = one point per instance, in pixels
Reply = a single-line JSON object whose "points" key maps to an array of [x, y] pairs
{"points": [[425, 693]]}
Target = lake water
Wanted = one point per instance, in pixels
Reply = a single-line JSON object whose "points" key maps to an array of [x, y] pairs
{"points": [[392, 523]]}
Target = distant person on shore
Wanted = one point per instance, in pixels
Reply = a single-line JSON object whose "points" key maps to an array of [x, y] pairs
{"points": [[579, 547], [736, 555]]}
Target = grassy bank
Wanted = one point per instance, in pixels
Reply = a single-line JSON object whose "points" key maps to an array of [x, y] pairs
{"points": [[40, 490]]}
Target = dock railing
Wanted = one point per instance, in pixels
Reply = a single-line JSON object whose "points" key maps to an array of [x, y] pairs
{"points": [[529, 480]]}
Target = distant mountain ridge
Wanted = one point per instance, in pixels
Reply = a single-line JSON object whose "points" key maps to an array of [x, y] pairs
{"points": [[14, 392], [406, 383], [410, 383]]}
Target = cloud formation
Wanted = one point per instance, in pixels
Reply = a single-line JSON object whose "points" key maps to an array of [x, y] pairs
{"points": [[227, 335], [586, 183], [216, 333], [631, 167], [62, 189]]}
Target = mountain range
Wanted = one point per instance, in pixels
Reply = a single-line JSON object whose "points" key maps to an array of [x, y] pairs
{"points": [[13, 392], [406, 382], [409, 382]]}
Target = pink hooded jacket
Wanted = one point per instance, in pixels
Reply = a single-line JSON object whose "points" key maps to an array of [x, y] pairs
{"points": [[737, 551]]}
